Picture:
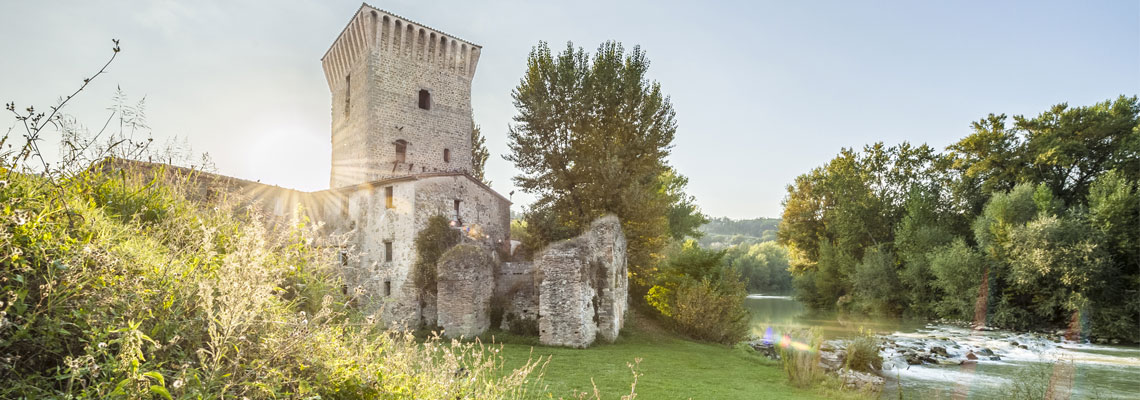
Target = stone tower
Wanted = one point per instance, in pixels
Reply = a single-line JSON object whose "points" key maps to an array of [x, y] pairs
{"points": [[401, 99]]}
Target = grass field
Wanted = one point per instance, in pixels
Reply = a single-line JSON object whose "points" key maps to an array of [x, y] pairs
{"points": [[671, 367]]}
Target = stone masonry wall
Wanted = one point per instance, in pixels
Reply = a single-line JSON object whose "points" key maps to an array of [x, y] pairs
{"points": [[464, 288], [375, 70], [583, 289]]}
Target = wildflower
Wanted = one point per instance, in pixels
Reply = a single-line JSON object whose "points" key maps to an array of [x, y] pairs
{"points": [[102, 345], [177, 383]]}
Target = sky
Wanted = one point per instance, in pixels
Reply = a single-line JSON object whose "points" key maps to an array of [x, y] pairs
{"points": [[763, 90]]}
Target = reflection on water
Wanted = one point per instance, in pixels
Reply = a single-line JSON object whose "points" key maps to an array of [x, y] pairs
{"points": [[1096, 370]]}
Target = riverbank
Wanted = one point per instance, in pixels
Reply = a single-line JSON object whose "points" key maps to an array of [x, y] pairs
{"points": [[671, 367], [943, 359]]}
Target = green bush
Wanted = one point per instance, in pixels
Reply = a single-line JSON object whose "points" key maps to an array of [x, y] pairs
{"points": [[698, 296], [863, 353], [709, 311]]}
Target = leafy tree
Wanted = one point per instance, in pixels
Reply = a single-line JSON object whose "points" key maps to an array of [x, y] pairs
{"points": [[1029, 220], [1114, 210], [922, 229], [957, 270], [590, 137], [764, 266], [479, 155], [685, 219], [876, 283]]}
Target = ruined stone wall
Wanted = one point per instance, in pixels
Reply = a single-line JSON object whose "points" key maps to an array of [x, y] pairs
{"points": [[608, 249], [516, 292], [375, 71], [583, 289], [464, 288]]}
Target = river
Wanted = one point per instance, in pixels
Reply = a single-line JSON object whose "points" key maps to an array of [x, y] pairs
{"points": [[1085, 370]]}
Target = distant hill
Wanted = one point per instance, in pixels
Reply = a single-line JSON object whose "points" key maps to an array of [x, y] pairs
{"points": [[724, 232]]}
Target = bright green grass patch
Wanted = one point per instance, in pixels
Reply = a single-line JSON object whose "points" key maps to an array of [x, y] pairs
{"points": [[670, 368]]}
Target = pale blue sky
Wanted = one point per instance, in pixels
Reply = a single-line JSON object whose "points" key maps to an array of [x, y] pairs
{"points": [[763, 91]]}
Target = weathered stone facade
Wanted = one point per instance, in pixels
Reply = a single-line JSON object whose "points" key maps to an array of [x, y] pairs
{"points": [[584, 288], [376, 71], [464, 287]]}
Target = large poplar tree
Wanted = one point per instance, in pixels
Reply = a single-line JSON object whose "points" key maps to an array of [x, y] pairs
{"points": [[590, 138]]}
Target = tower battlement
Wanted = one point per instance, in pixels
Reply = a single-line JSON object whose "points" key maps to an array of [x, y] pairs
{"points": [[401, 99], [374, 30]]}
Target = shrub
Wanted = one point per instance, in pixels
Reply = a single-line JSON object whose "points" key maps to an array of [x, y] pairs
{"points": [[700, 297], [863, 353], [711, 311], [799, 355]]}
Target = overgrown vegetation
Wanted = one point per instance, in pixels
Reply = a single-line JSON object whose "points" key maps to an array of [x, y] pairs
{"points": [[1023, 225], [700, 296], [431, 242]]}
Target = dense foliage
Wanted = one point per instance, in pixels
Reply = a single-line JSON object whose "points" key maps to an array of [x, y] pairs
{"points": [[116, 285], [590, 138], [764, 266], [1025, 225], [700, 296]]}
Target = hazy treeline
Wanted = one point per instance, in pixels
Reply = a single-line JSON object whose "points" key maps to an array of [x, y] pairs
{"points": [[1023, 224], [724, 232]]}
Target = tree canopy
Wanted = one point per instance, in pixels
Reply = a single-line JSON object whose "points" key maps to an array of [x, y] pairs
{"points": [[590, 137], [1018, 224]]}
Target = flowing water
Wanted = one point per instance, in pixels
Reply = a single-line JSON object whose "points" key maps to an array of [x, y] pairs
{"points": [[1080, 369]]}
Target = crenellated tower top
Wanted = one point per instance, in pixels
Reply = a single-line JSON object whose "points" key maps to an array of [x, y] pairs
{"points": [[401, 99], [373, 29]]}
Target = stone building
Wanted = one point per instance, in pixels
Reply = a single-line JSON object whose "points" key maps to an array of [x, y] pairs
{"points": [[401, 149], [401, 154]]}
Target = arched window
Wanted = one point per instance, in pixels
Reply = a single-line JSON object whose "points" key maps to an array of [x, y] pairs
{"points": [[425, 99], [401, 151], [447, 155]]}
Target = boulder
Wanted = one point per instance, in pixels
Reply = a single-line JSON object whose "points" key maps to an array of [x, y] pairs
{"points": [[940, 351]]}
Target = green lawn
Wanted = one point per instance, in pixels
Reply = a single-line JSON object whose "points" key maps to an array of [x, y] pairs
{"points": [[672, 367]]}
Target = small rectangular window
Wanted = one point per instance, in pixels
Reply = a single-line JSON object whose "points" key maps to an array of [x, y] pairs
{"points": [[387, 288], [425, 99], [388, 201], [343, 258], [344, 207], [388, 250]]}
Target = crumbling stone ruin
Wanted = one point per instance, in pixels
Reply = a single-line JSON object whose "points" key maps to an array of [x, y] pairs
{"points": [[401, 154], [464, 287], [584, 286]]}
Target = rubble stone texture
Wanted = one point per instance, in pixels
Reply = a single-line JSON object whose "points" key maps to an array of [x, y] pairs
{"points": [[583, 289], [464, 288]]}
